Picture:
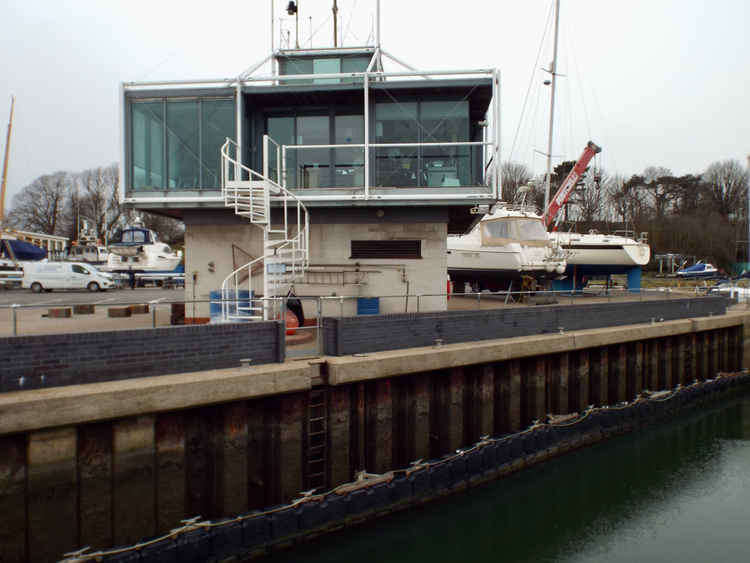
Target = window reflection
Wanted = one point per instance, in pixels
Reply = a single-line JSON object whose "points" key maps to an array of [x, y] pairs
{"points": [[194, 130], [147, 121], [422, 122]]}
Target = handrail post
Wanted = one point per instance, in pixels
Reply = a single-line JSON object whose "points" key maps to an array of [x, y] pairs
{"points": [[153, 315], [367, 134], [15, 319], [320, 326]]}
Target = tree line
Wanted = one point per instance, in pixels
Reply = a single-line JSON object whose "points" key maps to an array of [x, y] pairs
{"points": [[63, 202], [702, 216]]}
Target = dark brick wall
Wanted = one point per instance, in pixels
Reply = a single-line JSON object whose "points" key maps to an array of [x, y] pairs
{"points": [[32, 362], [352, 335]]}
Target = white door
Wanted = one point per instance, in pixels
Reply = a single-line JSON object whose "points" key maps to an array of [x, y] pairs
{"points": [[79, 277]]}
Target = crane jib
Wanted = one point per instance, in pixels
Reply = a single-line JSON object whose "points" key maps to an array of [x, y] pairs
{"points": [[563, 193]]}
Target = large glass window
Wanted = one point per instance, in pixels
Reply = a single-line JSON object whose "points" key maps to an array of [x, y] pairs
{"points": [[327, 66], [217, 123], [313, 165], [281, 130], [396, 123], [194, 130], [320, 167], [147, 136], [183, 156], [422, 122], [349, 164], [445, 122]]}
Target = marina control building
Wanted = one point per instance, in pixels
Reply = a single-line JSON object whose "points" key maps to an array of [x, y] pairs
{"points": [[326, 172]]}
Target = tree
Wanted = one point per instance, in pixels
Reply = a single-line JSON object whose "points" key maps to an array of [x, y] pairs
{"points": [[40, 206], [98, 199], [727, 186], [513, 176]]}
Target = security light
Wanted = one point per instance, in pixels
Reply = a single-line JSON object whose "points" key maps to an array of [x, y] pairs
{"points": [[291, 8]]}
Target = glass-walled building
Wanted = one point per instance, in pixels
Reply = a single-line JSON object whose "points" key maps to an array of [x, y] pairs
{"points": [[333, 135]]}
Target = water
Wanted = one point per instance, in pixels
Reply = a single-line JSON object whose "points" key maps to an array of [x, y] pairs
{"points": [[680, 492]]}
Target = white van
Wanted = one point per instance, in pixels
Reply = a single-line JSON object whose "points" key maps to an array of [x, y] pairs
{"points": [[46, 276]]}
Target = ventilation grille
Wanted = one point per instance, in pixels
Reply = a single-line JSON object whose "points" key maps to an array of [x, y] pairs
{"points": [[386, 249]]}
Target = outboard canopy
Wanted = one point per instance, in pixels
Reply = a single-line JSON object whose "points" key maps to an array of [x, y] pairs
{"points": [[21, 250]]}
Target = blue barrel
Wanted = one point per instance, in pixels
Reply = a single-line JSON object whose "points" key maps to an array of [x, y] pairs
{"points": [[215, 305], [368, 305]]}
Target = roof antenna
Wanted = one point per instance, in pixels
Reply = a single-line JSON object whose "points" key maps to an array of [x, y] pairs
{"points": [[293, 10], [335, 24]]}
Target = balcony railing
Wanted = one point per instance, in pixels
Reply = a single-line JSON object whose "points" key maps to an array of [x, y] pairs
{"points": [[395, 165]]}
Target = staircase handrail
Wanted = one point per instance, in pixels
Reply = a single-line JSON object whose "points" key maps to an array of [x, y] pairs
{"points": [[260, 214]]}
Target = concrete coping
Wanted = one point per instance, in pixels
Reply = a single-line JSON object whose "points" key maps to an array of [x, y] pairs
{"points": [[22, 411], [376, 365]]}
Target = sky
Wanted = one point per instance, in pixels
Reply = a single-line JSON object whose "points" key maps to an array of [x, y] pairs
{"points": [[653, 82]]}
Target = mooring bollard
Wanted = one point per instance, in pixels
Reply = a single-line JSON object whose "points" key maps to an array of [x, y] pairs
{"points": [[153, 316]]}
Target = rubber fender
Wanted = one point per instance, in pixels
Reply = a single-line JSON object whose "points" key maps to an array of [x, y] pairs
{"points": [[400, 489], [503, 452], [596, 421], [489, 456], [381, 496], [440, 477], [194, 546], [336, 507], [284, 523], [312, 515], [360, 501], [530, 445], [608, 419], [122, 557], [474, 463], [553, 435], [458, 470], [542, 438], [256, 531], [227, 539], [164, 551], [420, 482], [516, 447]]}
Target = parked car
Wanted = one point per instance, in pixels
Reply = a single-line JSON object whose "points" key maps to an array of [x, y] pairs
{"points": [[46, 276]]}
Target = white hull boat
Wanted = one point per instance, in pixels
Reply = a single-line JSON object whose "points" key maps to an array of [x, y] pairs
{"points": [[504, 246], [139, 250], [596, 249]]}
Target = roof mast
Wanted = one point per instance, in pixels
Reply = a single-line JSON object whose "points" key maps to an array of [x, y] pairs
{"points": [[553, 71], [5, 161]]}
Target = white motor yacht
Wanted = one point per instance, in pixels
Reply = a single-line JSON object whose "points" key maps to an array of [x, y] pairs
{"points": [[505, 245], [597, 249], [139, 250]]}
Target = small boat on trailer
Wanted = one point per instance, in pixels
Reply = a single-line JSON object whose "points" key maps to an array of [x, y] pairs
{"points": [[698, 270]]}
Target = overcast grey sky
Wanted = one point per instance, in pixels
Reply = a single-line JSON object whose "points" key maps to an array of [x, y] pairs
{"points": [[659, 82]]}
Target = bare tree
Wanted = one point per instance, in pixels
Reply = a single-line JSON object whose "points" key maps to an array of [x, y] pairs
{"points": [[40, 206], [513, 176], [99, 199], [727, 186]]}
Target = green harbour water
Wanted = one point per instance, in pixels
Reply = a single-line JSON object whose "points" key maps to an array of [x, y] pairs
{"points": [[679, 491]]}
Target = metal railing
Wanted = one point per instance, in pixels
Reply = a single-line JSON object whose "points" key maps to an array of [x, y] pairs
{"points": [[14, 317]]}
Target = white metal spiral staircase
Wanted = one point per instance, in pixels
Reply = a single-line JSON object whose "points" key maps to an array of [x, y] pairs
{"points": [[286, 248]]}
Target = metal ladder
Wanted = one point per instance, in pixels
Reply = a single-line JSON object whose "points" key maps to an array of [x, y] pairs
{"points": [[286, 248], [317, 439]]}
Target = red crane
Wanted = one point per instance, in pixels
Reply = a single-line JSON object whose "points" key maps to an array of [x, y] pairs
{"points": [[566, 188]]}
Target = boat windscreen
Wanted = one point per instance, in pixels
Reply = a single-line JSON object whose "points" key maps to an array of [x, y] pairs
{"points": [[531, 229], [496, 229]]}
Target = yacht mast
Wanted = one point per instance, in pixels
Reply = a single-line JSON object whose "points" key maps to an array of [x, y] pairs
{"points": [[553, 72], [5, 162]]}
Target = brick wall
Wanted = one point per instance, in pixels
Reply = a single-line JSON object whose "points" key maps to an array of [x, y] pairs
{"points": [[351, 335], [32, 362]]}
